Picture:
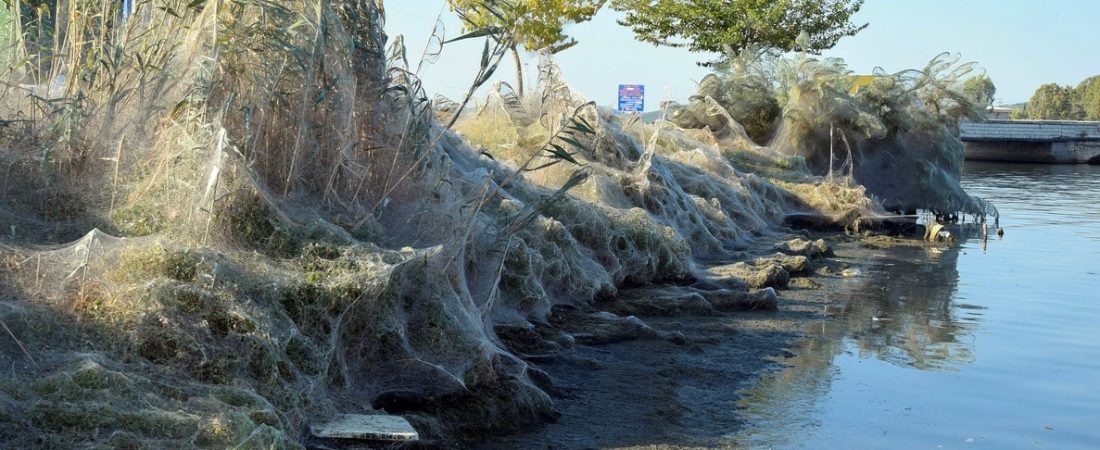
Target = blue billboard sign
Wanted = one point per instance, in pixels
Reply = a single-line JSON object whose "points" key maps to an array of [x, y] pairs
{"points": [[631, 98]]}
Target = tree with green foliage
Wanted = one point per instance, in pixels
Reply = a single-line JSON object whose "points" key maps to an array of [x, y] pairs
{"points": [[732, 26], [1088, 96], [536, 24], [1054, 102], [980, 90]]}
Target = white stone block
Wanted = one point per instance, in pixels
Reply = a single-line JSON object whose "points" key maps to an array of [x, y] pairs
{"points": [[366, 427]]}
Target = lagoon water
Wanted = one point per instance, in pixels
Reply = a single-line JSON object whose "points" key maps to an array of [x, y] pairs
{"points": [[973, 346]]}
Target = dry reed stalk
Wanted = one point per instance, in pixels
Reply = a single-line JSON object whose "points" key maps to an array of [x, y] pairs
{"points": [[20, 344], [490, 60], [494, 292], [307, 91], [114, 180], [212, 183]]}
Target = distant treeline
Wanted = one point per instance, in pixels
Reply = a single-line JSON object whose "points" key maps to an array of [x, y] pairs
{"points": [[1052, 101]]}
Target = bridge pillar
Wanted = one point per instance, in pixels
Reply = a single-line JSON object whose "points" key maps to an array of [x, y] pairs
{"points": [[1087, 152], [1063, 152]]}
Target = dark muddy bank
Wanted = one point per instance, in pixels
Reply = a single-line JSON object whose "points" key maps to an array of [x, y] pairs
{"points": [[676, 385]]}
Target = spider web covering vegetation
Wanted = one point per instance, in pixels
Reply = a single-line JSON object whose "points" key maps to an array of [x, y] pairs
{"points": [[225, 220], [896, 134]]}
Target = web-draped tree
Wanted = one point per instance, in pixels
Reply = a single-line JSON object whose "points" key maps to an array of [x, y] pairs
{"points": [[734, 25], [536, 24]]}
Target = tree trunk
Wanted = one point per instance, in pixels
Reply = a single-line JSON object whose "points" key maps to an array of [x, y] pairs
{"points": [[519, 71]]}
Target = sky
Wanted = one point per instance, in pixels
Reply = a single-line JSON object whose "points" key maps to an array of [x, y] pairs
{"points": [[1020, 44]]}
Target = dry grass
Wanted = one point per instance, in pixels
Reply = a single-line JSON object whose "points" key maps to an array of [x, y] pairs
{"points": [[303, 238]]}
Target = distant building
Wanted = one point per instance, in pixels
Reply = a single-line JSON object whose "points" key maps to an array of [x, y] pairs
{"points": [[998, 113], [860, 82]]}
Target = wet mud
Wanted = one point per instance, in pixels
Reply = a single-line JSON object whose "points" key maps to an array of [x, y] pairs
{"points": [[673, 380]]}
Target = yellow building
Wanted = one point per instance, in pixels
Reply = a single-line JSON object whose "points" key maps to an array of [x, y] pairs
{"points": [[860, 82]]}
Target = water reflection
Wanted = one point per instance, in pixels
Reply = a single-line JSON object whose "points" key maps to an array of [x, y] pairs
{"points": [[898, 366], [910, 320], [900, 311]]}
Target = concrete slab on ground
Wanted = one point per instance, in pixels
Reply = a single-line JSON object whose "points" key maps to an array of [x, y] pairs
{"points": [[366, 427]]}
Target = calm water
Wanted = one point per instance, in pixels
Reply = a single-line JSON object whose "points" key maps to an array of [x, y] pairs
{"points": [[994, 346]]}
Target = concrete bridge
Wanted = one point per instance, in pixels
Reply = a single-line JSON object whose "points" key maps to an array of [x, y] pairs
{"points": [[1035, 141]]}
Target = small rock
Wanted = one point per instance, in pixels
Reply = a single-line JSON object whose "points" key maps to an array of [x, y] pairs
{"points": [[677, 338], [661, 302], [525, 339], [727, 300], [766, 299], [805, 283], [542, 380], [804, 247], [605, 328], [768, 275], [793, 264]]}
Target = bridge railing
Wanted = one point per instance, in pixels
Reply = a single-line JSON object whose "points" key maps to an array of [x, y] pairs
{"points": [[1029, 130]]}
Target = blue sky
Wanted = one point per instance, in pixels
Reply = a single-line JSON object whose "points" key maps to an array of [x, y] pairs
{"points": [[1021, 44]]}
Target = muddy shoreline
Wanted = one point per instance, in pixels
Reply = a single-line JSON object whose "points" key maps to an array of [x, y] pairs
{"points": [[678, 387]]}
